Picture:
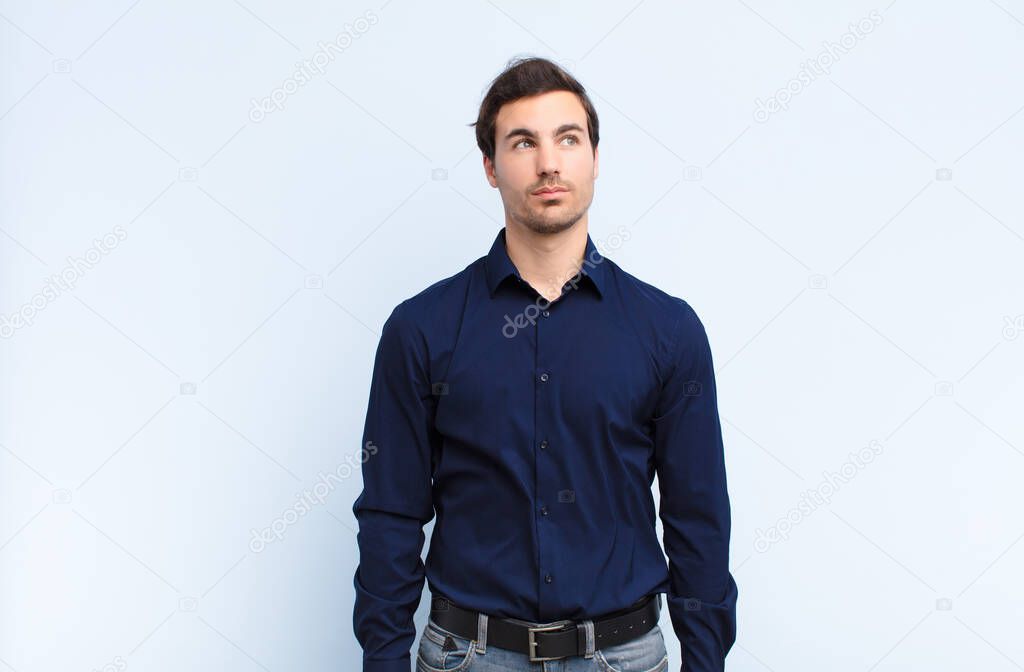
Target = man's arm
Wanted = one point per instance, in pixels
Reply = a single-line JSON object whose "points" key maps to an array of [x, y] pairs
{"points": [[396, 501], [694, 510]]}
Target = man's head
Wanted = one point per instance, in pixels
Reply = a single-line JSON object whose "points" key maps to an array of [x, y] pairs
{"points": [[538, 129]]}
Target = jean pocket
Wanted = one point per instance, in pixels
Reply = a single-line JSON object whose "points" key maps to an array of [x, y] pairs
{"points": [[443, 651], [646, 653]]}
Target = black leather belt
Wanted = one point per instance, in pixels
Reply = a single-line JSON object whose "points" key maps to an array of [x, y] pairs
{"points": [[549, 641]]}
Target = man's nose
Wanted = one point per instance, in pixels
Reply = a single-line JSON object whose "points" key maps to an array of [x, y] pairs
{"points": [[547, 160]]}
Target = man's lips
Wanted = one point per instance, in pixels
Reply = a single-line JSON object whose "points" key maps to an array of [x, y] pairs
{"points": [[550, 190]]}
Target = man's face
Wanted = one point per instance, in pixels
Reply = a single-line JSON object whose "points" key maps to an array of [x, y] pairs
{"points": [[543, 142]]}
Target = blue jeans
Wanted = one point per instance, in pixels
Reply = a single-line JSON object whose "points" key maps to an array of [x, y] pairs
{"points": [[645, 653]]}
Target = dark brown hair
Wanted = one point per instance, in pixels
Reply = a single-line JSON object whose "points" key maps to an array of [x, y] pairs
{"points": [[524, 77]]}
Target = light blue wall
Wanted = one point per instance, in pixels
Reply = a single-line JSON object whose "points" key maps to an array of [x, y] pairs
{"points": [[853, 245]]}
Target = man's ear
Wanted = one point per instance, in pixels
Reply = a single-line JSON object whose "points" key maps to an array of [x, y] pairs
{"points": [[489, 171], [595, 162]]}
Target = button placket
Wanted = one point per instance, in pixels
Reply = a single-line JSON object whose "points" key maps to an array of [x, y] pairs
{"points": [[543, 381]]}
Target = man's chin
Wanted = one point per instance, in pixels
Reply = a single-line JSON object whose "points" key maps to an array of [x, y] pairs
{"points": [[550, 226]]}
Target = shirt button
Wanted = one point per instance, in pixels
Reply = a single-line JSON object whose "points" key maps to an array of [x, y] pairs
{"points": [[543, 510], [543, 444], [546, 313], [543, 377], [548, 579]]}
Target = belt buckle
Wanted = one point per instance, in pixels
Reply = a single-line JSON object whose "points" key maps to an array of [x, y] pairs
{"points": [[531, 638]]}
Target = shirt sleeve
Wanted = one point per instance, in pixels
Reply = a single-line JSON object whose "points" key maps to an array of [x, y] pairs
{"points": [[694, 509], [395, 502]]}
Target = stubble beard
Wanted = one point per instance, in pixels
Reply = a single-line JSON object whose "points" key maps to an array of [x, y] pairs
{"points": [[545, 221]]}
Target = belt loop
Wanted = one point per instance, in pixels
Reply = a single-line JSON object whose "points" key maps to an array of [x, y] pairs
{"points": [[481, 633], [588, 628]]}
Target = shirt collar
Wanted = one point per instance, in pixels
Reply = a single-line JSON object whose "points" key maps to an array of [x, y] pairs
{"points": [[499, 266]]}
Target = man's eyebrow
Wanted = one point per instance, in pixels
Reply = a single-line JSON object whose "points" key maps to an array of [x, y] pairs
{"points": [[525, 132]]}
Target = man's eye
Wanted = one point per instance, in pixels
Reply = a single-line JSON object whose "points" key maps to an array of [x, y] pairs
{"points": [[575, 141]]}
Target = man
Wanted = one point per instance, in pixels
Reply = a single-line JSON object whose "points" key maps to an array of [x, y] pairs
{"points": [[529, 400]]}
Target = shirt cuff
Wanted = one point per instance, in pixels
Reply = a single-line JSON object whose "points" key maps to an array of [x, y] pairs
{"points": [[402, 664]]}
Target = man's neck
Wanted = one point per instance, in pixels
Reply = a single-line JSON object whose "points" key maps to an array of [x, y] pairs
{"points": [[547, 261]]}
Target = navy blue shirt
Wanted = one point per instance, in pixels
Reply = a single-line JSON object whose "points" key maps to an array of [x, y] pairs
{"points": [[534, 430]]}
